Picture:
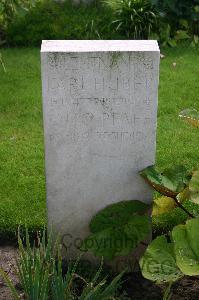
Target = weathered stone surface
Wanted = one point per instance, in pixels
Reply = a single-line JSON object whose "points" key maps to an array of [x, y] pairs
{"points": [[99, 105]]}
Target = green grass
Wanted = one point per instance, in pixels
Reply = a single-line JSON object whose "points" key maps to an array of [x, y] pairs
{"points": [[22, 180], [177, 142]]}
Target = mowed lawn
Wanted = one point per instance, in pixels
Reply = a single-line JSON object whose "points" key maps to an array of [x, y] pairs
{"points": [[22, 179]]}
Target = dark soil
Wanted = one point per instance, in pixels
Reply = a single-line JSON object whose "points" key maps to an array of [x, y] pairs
{"points": [[136, 287], [8, 256]]}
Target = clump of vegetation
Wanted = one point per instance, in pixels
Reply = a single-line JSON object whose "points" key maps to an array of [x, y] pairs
{"points": [[8, 11], [168, 261], [167, 258], [178, 21], [41, 275], [26, 22], [134, 19], [60, 20]]}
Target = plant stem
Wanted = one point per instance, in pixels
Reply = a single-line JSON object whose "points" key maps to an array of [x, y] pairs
{"points": [[183, 208], [167, 293], [145, 244]]}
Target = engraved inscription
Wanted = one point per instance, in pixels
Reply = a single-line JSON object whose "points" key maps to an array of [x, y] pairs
{"points": [[100, 100]]}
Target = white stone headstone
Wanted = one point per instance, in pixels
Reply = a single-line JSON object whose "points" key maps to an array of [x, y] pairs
{"points": [[99, 106]]}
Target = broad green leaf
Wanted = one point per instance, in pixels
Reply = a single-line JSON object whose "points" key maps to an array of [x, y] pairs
{"points": [[162, 205], [186, 241], [179, 177], [158, 262], [118, 229], [194, 187], [137, 229], [108, 243], [191, 116], [117, 214], [169, 183]]}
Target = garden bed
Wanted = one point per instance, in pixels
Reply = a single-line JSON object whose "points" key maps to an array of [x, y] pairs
{"points": [[134, 286]]}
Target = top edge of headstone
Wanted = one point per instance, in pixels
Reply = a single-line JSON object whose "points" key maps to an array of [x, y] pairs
{"points": [[99, 45]]}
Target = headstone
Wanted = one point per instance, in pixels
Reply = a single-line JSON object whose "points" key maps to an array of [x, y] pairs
{"points": [[99, 105]]}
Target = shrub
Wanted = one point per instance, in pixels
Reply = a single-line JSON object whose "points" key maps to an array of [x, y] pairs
{"points": [[178, 20], [52, 20], [8, 10], [134, 19], [175, 10]]}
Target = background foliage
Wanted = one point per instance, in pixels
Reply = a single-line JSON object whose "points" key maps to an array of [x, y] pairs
{"points": [[27, 22], [52, 20], [135, 19]]}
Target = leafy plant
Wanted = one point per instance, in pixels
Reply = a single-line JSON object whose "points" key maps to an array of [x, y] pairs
{"points": [[162, 205], [158, 263], [174, 10], [9, 8], [164, 35], [60, 20], [175, 183], [118, 229], [172, 183], [168, 261], [34, 268], [178, 20], [96, 289], [41, 275], [136, 19]]}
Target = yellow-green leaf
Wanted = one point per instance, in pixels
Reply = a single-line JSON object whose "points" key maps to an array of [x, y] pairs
{"points": [[186, 245], [163, 205]]}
